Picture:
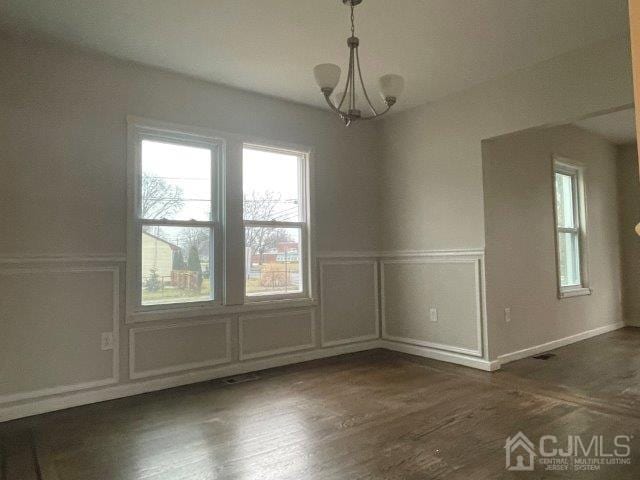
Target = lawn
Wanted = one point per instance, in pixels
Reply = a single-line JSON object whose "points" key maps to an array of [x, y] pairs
{"points": [[168, 294]]}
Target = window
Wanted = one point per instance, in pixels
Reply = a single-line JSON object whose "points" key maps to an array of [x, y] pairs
{"points": [[275, 222], [570, 229], [206, 239], [176, 219]]}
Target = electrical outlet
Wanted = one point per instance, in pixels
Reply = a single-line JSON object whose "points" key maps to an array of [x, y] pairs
{"points": [[507, 314], [433, 313], [106, 341]]}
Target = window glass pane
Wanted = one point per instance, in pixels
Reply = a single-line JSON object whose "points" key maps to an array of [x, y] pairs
{"points": [[175, 264], [270, 186], [273, 261], [176, 182], [564, 200], [569, 257]]}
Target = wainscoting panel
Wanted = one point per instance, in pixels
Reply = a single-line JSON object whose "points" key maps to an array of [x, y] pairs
{"points": [[349, 301], [53, 318], [433, 302], [163, 349], [264, 334]]}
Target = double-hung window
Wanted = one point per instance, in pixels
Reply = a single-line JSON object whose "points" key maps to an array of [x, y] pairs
{"points": [[569, 199], [275, 222], [176, 218]]}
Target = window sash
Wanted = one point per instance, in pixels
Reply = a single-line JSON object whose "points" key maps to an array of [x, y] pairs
{"points": [[576, 232], [214, 225], [302, 225], [303, 259], [214, 288], [570, 260], [180, 139], [302, 180]]}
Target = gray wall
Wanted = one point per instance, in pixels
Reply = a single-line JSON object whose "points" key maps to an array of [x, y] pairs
{"points": [[520, 238], [432, 186], [407, 185], [63, 127], [432, 160], [63, 137], [629, 192]]}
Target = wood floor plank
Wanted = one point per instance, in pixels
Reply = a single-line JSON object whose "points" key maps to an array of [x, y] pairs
{"points": [[373, 415]]}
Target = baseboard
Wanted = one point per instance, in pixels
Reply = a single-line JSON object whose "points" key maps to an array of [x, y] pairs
{"points": [[441, 355], [561, 342], [60, 402]]}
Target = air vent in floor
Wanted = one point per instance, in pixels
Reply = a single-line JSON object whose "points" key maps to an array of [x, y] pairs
{"points": [[249, 377], [544, 356]]}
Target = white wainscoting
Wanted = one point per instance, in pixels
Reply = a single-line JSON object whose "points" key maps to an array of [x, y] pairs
{"points": [[349, 306], [464, 301], [290, 330], [64, 299], [275, 333], [74, 399], [214, 349]]}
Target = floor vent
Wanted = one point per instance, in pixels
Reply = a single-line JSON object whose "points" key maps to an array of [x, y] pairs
{"points": [[544, 356], [249, 377]]}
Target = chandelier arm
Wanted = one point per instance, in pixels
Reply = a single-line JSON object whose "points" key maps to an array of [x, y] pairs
{"points": [[364, 90], [371, 117], [327, 95], [352, 102], [344, 94], [346, 86]]}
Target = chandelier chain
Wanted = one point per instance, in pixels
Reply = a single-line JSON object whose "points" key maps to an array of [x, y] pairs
{"points": [[353, 22]]}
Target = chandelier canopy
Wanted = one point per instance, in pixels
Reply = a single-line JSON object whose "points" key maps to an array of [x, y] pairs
{"points": [[328, 75]]}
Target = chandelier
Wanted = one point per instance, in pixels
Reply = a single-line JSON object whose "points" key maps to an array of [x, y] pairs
{"points": [[328, 75]]}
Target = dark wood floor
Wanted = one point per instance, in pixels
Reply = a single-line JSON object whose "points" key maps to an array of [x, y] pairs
{"points": [[374, 415]]}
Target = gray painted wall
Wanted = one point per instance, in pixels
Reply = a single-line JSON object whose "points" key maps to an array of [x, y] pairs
{"points": [[63, 144], [520, 238], [410, 182], [432, 159], [432, 187]]}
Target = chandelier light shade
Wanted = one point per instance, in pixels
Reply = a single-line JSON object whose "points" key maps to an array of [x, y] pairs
{"points": [[391, 85], [327, 77]]}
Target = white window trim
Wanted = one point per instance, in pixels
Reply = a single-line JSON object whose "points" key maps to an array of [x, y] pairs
{"points": [[303, 224], [139, 129], [231, 297], [576, 170]]}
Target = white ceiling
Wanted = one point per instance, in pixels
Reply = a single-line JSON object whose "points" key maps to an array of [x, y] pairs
{"points": [[271, 46], [617, 127]]}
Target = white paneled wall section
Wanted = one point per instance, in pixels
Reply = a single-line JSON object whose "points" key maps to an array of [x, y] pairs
{"points": [[366, 300]]}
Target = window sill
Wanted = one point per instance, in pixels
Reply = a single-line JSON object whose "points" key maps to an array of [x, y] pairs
{"points": [[177, 313], [574, 292]]}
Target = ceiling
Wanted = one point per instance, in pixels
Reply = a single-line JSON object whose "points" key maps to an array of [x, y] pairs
{"points": [[617, 127], [271, 46]]}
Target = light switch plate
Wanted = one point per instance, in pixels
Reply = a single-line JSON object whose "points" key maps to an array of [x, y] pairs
{"points": [[507, 315], [433, 313]]}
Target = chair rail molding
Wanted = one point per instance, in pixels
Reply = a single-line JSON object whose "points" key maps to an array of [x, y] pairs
{"points": [[61, 258]]}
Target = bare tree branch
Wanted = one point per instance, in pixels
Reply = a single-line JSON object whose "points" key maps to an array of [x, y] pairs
{"points": [[159, 199], [262, 206]]}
